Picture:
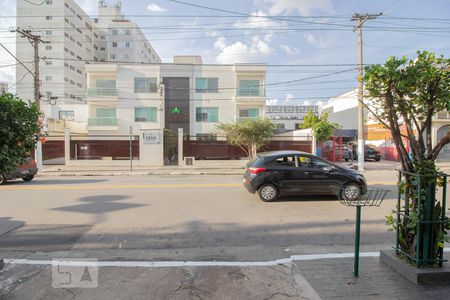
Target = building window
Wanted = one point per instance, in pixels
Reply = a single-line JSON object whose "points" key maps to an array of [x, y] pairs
{"points": [[107, 115], [206, 85], [48, 47], [127, 44], [66, 5], [249, 88], [49, 18], [102, 48], [207, 114], [127, 32], [48, 78], [113, 56], [48, 32], [114, 44], [49, 2], [145, 114], [105, 84], [114, 32], [48, 62], [249, 113], [145, 85], [67, 115], [280, 126]]}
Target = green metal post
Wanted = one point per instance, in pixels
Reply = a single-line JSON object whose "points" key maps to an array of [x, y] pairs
{"points": [[397, 232], [443, 205], [357, 235], [419, 254]]}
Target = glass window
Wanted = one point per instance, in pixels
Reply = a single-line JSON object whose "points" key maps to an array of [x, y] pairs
{"points": [[249, 88], [106, 112], [207, 114], [284, 161], [145, 114], [206, 85], [105, 84], [66, 115], [114, 32], [145, 85], [249, 113], [311, 162]]}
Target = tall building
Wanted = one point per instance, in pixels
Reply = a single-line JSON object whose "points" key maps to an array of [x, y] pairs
{"points": [[75, 38]]}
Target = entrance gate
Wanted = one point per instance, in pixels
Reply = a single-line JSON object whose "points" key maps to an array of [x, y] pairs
{"points": [[170, 147]]}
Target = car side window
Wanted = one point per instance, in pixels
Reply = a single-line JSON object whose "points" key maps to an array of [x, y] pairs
{"points": [[284, 161], [303, 161], [319, 164]]}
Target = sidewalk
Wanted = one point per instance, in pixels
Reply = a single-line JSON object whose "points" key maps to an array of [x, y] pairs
{"points": [[316, 278]]}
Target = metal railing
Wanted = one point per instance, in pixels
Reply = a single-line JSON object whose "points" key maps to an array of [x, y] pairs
{"points": [[251, 92], [102, 121], [102, 91]]}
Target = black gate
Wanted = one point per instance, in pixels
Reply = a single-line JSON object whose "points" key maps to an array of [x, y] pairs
{"points": [[170, 147]]}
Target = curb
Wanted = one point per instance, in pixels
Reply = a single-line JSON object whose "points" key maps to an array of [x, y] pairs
{"points": [[72, 174]]}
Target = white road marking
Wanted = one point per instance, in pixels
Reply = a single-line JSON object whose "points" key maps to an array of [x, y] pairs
{"points": [[180, 264]]}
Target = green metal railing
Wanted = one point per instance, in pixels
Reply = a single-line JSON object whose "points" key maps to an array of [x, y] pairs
{"points": [[102, 92], [418, 208], [102, 121], [250, 92]]}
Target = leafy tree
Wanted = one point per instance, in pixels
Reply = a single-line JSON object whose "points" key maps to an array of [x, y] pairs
{"points": [[19, 131], [409, 93], [249, 134], [322, 128]]}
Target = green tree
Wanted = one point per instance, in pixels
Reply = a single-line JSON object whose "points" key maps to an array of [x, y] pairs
{"points": [[19, 131], [249, 134], [322, 128], [409, 92]]}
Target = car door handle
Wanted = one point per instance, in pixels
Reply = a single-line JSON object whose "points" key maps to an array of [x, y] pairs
{"points": [[307, 172]]}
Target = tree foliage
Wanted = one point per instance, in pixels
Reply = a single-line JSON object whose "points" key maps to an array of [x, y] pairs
{"points": [[410, 92], [248, 134], [322, 128], [19, 131]]}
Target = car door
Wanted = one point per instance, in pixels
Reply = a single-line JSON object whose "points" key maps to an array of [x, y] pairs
{"points": [[284, 173]]}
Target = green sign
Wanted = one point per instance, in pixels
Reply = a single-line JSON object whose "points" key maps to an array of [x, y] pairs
{"points": [[176, 110]]}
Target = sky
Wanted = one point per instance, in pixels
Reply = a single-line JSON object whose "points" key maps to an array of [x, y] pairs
{"points": [[309, 46]]}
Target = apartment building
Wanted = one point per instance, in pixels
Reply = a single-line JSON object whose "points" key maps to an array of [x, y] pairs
{"points": [[289, 117], [161, 98], [75, 38]]}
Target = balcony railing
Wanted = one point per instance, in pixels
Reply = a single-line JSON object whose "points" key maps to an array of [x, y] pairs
{"points": [[251, 92], [443, 115], [102, 92], [103, 121], [246, 118]]}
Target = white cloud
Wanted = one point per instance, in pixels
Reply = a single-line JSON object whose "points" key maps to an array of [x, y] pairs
{"points": [[310, 38], [320, 103], [306, 102], [273, 101], [289, 50], [240, 51], [153, 7], [258, 20], [303, 7], [288, 99]]}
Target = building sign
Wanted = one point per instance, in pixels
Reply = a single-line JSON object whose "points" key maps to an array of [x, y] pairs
{"points": [[150, 137]]}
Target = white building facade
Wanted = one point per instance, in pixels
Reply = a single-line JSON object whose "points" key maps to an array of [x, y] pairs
{"points": [[74, 39], [156, 99], [289, 117]]}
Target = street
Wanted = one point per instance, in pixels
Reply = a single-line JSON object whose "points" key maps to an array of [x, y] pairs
{"points": [[179, 217]]}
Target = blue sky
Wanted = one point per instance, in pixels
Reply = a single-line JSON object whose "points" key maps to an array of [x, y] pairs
{"points": [[297, 32]]}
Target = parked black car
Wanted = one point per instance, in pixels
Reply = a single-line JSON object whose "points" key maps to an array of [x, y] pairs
{"points": [[272, 174], [370, 152]]}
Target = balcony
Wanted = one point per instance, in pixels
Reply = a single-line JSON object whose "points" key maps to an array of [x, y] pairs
{"points": [[110, 92], [102, 123], [251, 92], [443, 115]]}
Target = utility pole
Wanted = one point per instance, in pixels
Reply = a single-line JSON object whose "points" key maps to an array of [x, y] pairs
{"points": [[361, 18], [34, 41]]}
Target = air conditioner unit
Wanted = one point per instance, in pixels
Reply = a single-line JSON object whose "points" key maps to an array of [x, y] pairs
{"points": [[189, 161]]}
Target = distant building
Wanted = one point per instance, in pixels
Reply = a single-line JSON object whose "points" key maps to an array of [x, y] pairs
{"points": [[289, 117], [3, 87], [74, 39]]}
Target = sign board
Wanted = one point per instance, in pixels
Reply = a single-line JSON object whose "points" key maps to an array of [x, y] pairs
{"points": [[151, 137]]}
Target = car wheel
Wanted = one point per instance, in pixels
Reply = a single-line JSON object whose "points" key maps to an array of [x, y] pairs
{"points": [[346, 159], [2, 179], [268, 192], [377, 159], [28, 178], [351, 192]]}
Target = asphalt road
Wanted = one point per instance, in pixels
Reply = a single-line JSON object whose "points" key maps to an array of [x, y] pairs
{"points": [[178, 217]]}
